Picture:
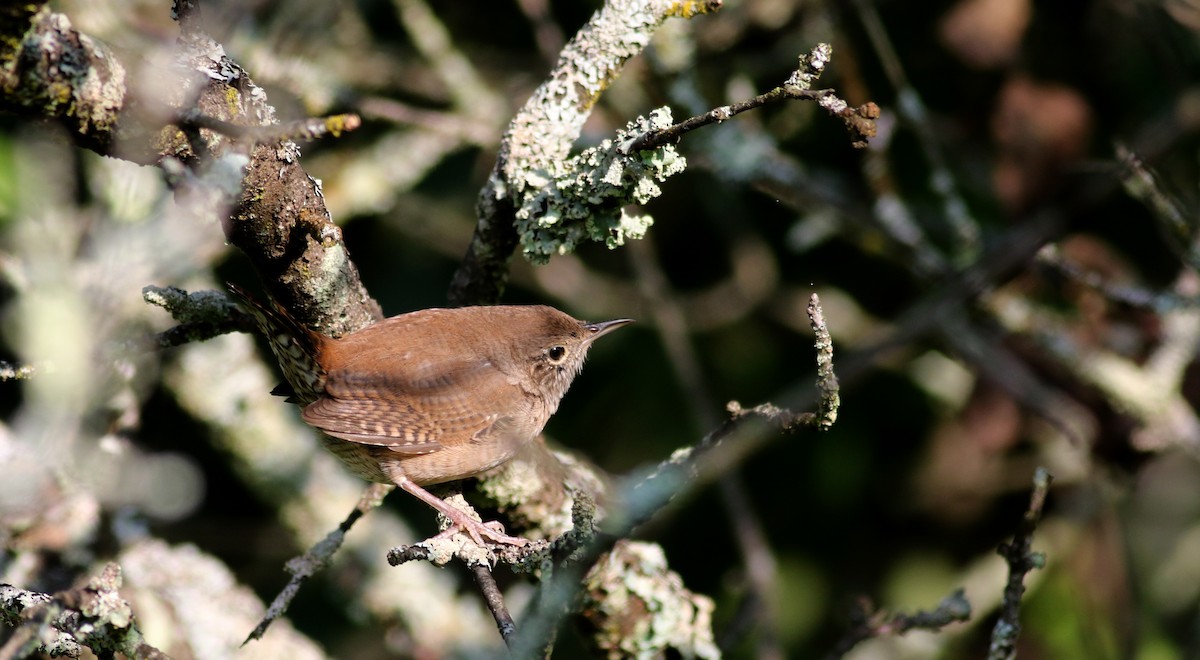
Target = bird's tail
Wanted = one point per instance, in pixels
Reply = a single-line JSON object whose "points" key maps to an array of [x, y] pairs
{"points": [[295, 347]]}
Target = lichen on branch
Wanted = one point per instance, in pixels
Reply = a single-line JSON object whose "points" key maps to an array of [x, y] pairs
{"points": [[584, 197]]}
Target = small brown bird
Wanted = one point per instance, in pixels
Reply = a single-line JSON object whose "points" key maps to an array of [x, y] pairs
{"points": [[434, 395]]}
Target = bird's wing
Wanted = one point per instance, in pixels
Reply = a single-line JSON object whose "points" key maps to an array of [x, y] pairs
{"points": [[439, 404]]}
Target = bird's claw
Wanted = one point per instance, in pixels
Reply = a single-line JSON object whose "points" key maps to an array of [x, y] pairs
{"points": [[492, 530]]}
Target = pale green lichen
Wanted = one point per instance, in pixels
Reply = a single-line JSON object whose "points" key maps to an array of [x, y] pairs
{"points": [[811, 67], [583, 197], [641, 609]]}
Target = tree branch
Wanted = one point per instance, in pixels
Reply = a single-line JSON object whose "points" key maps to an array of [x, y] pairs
{"points": [[1021, 560], [543, 131], [93, 615], [494, 599], [49, 70], [860, 121], [868, 624]]}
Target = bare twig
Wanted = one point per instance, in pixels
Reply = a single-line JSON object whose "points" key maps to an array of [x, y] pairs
{"points": [[1142, 184], [1021, 560], [672, 133], [494, 600], [868, 623], [317, 558], [447, 123], [1134, 296], [860, 121], [313, 128]]}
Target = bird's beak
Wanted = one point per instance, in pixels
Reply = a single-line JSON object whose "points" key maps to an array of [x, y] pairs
{"points": [[597, 330]]}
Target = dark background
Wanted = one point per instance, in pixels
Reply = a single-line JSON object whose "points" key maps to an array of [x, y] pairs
{"points": [[1019, 111]]}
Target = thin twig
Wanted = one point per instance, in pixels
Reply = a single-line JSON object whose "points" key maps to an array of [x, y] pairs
{"points": [[910, 106], [671, 134], [446, 123], [639, 497], [752, 541], [1021, 560], [202, 315], [494, 599], [317, 558], [1134, 296], [869, 624], [827, 381]]}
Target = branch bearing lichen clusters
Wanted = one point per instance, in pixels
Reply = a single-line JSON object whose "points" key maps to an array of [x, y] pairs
{"points": [[583, 197]]}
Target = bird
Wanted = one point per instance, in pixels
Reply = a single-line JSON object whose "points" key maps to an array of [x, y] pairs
{"points": [[434, 395]]}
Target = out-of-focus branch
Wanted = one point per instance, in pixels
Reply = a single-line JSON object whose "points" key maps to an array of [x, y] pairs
{"points": [[868, 624], [943, 180], [301, 129], [758, 557], [93, 616], [1021, 560], [16, 372], [1149, 388], [49, 70]]}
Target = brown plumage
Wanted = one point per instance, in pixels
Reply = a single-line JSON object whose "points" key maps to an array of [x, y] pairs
{"points": [[434, 395]]}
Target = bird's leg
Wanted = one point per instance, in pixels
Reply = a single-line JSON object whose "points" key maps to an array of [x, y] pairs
{"points": [[459, 520]]}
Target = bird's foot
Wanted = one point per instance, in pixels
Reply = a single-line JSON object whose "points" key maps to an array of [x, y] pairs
{"points": [[493, 531], [460, 520]]}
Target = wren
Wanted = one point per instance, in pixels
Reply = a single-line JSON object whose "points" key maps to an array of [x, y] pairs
{"points": [[434, 395]]}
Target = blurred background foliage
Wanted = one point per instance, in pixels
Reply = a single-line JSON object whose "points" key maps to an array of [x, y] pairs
{"points": [[1002, 119]]}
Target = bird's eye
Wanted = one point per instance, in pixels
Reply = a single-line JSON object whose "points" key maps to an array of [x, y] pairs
{"points": [[556, 353]]}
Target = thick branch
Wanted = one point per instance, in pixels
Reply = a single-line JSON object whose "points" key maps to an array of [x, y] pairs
{"points": [[48, 70], [279, 219]]}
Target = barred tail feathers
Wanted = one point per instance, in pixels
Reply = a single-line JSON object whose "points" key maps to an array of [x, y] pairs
{"points": [[294, 346]]}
